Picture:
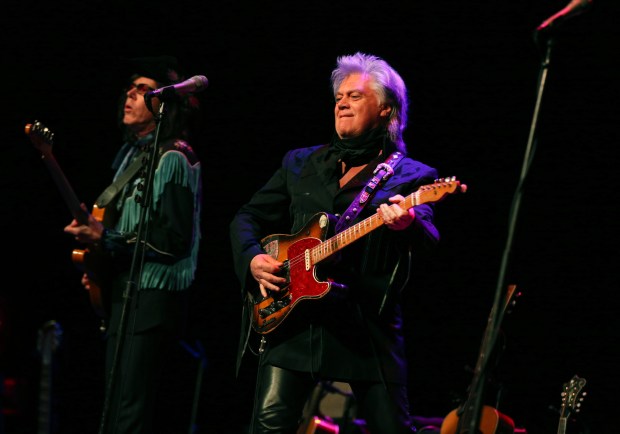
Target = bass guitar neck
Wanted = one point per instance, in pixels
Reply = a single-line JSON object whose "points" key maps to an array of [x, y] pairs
{"points": [[84, 259], [43, 139]]}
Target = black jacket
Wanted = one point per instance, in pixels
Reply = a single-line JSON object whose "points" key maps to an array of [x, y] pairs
{"points": [[341, 338]]}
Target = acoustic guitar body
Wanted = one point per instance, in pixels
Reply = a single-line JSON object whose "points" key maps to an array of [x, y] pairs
{"points": [[491, 422]]}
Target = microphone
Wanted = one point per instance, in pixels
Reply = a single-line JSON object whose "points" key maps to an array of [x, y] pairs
{"points": [[197, 83], [575, 7]]}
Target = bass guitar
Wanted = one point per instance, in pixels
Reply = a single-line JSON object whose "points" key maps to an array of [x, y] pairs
{"points": [[572, 398], [88, 261], [302, 251]]}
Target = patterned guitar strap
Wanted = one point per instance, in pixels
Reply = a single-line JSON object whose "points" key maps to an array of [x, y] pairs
{"points": [[380, 175]]}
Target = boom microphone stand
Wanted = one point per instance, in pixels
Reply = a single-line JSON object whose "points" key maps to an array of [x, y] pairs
{"points": [[133, 283], [544, 32]]}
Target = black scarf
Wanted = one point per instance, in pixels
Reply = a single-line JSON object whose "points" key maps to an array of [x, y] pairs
{"points": [[358, 150]]}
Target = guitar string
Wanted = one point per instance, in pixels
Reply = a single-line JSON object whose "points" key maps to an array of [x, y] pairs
{"points": [[328, 247], [342, 239]]}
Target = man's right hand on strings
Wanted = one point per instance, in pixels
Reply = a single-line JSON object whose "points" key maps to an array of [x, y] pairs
{"points": [[264, 269]]}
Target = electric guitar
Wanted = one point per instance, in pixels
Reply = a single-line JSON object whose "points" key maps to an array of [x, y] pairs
{"points": [[86, 260], [49, 340], [302, 251], [572, 397]]}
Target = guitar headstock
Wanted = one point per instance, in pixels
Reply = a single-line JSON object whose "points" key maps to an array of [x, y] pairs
{"points": [[50, 334], [450, 185], [40, 136], [440, 188], [572, 396]]}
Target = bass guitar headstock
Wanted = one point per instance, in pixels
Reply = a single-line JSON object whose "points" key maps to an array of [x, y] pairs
{"points": [[41, 137]]}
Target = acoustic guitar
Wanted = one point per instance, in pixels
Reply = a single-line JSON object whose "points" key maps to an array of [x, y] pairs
{"points": [[490, 420], [89, 261], [303, 251], [572, 398]]}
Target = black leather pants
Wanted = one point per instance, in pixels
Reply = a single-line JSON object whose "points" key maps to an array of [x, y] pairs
{"points": [[281, 395], [279, 401]]}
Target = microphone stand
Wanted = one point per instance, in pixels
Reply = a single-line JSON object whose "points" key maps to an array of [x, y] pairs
{"points": [[130, 294], [496, 317]]}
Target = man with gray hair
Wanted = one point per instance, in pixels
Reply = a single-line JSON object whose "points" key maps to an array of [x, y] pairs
{"points": [[315, 316]]}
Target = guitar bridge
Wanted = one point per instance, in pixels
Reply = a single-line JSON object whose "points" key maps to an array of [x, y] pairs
{"points": [[275, 306]]}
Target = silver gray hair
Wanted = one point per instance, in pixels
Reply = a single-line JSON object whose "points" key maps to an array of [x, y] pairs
{"points": [[386, 82]]}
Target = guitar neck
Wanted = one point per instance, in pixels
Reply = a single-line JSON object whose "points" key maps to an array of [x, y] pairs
{"points": [[65, 189], [473, 407], [49, 336], [357, 231], [45, 400], [562, 426]]}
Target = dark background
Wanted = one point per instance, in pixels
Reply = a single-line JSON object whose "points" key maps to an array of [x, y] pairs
{"points": [[472, 69]]}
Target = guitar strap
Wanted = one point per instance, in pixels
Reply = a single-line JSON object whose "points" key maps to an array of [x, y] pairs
{"points": [[380, 175], [113, 189]]}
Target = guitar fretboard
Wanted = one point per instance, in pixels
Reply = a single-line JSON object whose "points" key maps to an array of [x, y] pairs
{"points": [[428, 193], [45, 393]]}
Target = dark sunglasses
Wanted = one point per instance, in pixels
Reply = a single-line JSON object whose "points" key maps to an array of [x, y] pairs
{"points": [[141, 88]]}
